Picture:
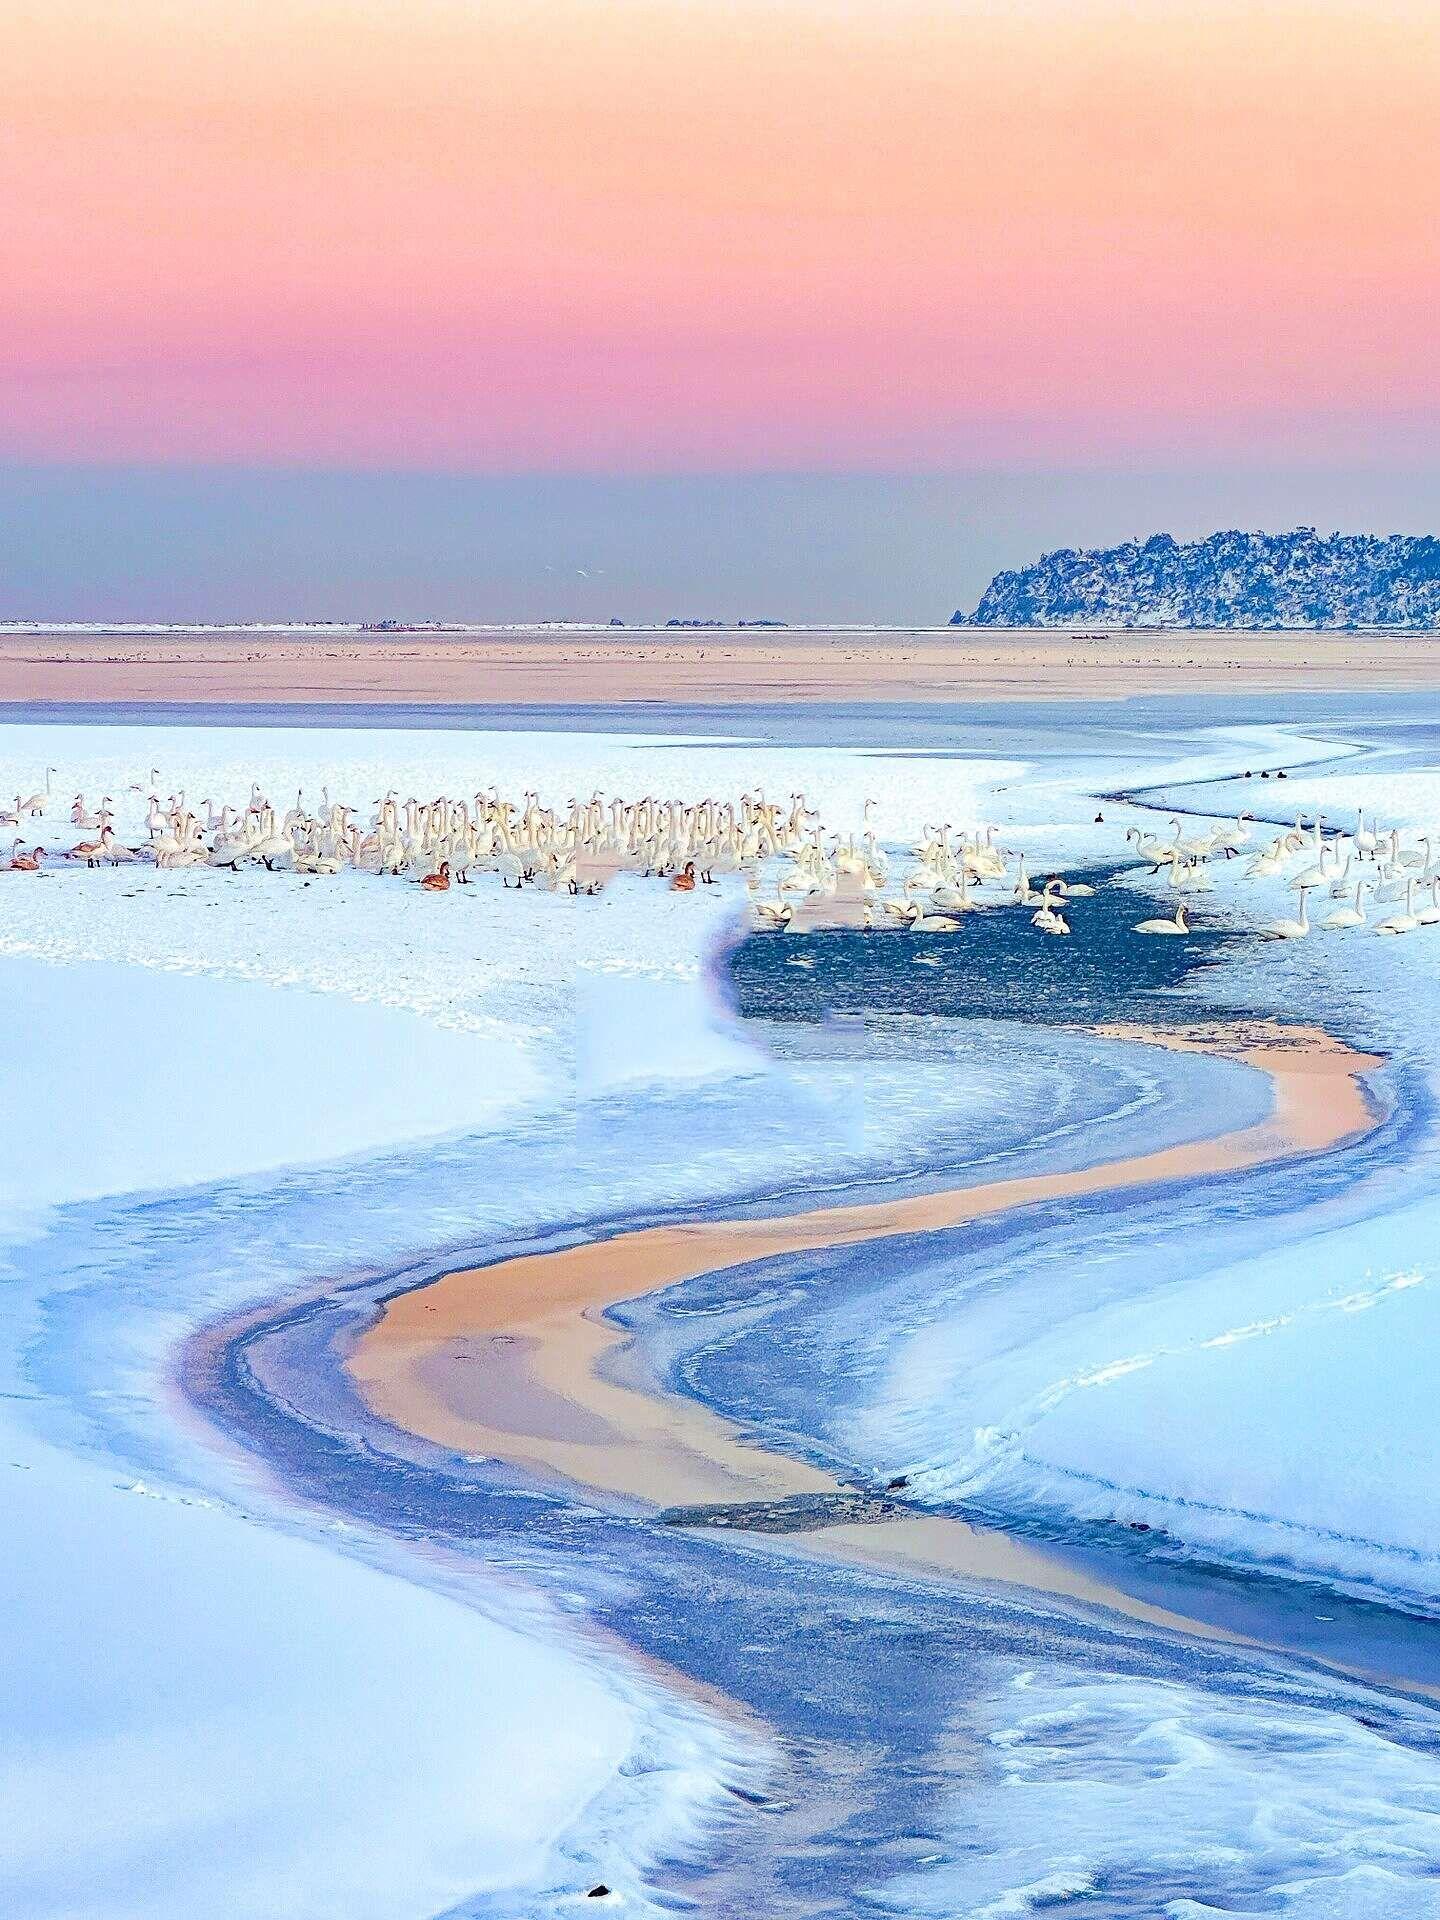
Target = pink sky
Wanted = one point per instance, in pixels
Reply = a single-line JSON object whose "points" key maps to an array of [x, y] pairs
{"points": [[651, 235]]}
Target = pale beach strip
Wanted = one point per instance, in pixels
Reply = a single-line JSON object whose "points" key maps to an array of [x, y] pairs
{"points": [[490, 666]]}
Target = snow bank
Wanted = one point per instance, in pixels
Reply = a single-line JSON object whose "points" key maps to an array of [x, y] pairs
{"points": [[133, 1079], [209, 1717], [1279, 1412], [1128, 1795]]}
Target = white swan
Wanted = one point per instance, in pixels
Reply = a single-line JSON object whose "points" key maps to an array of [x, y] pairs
{"points": [[114, 850], [38, 801], [770, 913], [1179, 925], [1231, 841], [1264, 864], [1313, 876], [956, 899], [1196, 848], [1405, 922], [1349, 916], [1292, 929], [1188, 876], [1413, 857], [1049, 919]]}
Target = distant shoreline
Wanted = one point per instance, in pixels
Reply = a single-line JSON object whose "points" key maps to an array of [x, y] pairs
{"points": [[564, 666]]}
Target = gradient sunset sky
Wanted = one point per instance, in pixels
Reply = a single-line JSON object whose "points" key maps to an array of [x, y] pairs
{"points": [[602, 244]]}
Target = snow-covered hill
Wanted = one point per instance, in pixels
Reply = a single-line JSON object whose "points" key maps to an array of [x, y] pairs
{"points": [[1298, 579]]}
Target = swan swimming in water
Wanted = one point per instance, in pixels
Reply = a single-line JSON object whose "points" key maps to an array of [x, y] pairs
{"points": [[1349, 916], [1405, 922], [1291, 929], [1179, 925]]}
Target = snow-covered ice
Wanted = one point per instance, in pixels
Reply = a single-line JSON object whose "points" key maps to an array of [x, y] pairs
{"points": [[1154, 1797]]}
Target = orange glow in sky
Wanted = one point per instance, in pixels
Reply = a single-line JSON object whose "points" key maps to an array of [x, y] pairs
{"points": [[688, 234]]}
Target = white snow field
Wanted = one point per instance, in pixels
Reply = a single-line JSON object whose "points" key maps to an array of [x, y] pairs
{"points": [[202, 1710], [218, 1087]]}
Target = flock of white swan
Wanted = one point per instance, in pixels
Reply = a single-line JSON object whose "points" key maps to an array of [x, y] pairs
{"points": [[819, 879], [1345, 867]]}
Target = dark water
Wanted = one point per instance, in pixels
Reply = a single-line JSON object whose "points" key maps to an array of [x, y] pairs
{"points": [[1147, 728], [995, 964]]}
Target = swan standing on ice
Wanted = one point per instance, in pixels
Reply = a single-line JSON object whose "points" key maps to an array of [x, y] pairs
{"points": [[37, 802], [92, 852], [1232, 840]]}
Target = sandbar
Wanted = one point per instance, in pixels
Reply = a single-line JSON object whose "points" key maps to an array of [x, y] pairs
{"points": [[432, 1362], [569, 666]]}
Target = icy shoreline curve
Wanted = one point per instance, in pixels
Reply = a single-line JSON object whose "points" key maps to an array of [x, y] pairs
{"points": [[220, 1706]]}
